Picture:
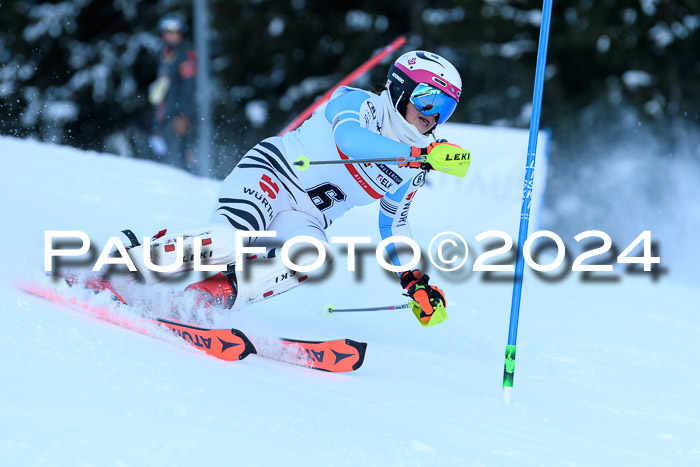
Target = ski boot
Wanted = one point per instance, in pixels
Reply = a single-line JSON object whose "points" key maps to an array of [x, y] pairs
{"points": [[219, 291]]}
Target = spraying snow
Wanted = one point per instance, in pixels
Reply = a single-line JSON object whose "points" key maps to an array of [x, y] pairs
{"points": [[603, 375]]}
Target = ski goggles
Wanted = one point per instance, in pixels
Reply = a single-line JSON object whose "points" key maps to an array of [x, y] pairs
{"points": [[431, 101]]}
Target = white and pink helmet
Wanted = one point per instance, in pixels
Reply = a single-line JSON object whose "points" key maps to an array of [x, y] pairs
{"points": [[428, 80]]}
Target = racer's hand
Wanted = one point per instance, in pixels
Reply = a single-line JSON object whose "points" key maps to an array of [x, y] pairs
{"points": [[442, 149], [429, 297]]}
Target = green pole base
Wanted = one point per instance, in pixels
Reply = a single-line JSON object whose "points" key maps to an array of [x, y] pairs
{"points": [[508, 373]]}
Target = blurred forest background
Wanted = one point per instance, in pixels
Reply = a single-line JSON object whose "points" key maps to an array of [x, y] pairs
{"points": [[77, 72]]}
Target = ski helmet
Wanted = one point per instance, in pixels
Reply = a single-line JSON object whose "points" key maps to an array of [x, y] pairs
{"points": [[427, 80], [172, 23]]}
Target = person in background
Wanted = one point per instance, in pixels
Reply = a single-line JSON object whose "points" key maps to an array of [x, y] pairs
{"points": [[172, 94]]}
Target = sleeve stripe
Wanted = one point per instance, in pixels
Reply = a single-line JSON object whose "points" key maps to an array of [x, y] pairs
{"points": [[354, 112], [386, 206], [337, 122]]}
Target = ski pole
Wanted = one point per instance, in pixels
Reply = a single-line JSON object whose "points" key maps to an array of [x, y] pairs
{"points": [[303, 162], [331, 309], [359, 71], [509, 367], [450, 159]]}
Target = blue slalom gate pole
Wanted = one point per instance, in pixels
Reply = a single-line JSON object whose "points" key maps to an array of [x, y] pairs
{"points": [[509, 367]]}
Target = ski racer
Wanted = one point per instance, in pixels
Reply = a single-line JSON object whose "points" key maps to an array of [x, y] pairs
{"points": [[265, 192]]}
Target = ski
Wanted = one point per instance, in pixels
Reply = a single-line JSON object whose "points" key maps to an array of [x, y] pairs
{"points": [[338, 356], [225, 344]]}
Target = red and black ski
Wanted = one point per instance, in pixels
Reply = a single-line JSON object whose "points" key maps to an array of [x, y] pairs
{"points": [[337, 356], [226, 344]]}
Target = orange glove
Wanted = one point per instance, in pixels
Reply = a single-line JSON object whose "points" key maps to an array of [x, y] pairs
{"points": [[415, 153], [427, 296]]}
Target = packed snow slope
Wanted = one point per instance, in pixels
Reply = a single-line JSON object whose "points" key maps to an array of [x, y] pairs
{"points": [[605, 372]]}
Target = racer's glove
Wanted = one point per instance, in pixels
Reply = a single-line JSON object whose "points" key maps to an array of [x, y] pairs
{"points": [[417, 152], [429, 299], [441, 156]]}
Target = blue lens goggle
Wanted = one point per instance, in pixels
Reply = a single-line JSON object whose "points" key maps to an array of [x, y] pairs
{"points": [[431, 101]]}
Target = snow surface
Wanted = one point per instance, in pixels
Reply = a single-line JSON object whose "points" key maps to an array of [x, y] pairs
{"points": [[605, 372]]}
